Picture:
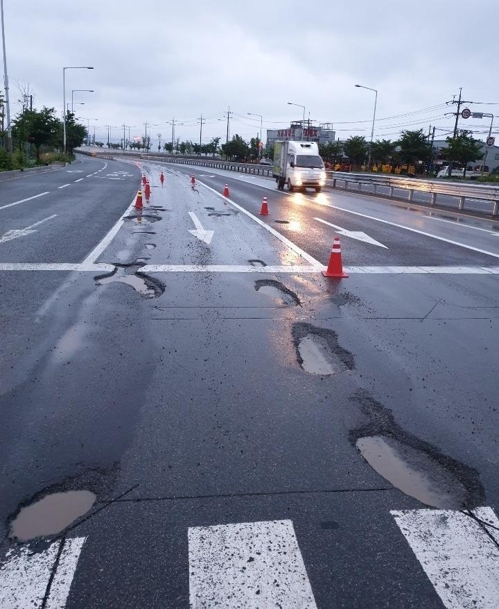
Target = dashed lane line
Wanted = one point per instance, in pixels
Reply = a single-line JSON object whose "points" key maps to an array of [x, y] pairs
{"points": [[42, 194], [64, 186], [79, 180]]}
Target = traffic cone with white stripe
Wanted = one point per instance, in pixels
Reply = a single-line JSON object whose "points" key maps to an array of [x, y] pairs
{"points": [[144, 179], [193, 181], [335, 266], [226, 191], [138, 200], [264, 211], [147, 192]]}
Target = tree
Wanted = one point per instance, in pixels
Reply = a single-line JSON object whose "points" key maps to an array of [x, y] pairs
{"points": [[168, 146], [355, 148], [75, 133], [464, 148], [237, 148], [254, 147], [40, 128], [382, 151], [414, 147], [332, 151]]}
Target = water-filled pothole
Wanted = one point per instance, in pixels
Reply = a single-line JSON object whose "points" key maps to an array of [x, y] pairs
{"points": [[282, 221], [150, 246], [318, 351], [50, 515], [143, 218], [412, 465], [256, 262], [146, 286], [219, 214], [412, 472], [277, 290]]}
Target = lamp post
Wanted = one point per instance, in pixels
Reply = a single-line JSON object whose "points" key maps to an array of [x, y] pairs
{"points": [[491, 116], [303, 122], [73, 91], [64, 97], [6, 84], [374, 119], [72, 106], [260, 148], [88, 126]]}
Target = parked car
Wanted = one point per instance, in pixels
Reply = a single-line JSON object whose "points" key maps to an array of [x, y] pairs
{"points": [[265, 162]]}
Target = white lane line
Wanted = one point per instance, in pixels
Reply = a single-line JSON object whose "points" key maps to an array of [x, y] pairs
{"points": [[250, 565], [55, 266], [457, 555], [64, 186], [79, 180], [99, 248], [42, 194], [24, 576], [310, 259], [23, 232], [461, 225], [221, 268], [90, 175], [353, 234]]}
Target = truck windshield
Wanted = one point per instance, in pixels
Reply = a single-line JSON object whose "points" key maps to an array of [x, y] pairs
{"points": [[309, 161]]}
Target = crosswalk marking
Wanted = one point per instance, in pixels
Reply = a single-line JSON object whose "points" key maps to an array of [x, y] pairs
{"points": [[25, 576], [457, 553], [247, 565]]}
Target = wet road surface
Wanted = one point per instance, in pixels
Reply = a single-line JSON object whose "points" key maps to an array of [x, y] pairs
{"points": [[247, 432]]}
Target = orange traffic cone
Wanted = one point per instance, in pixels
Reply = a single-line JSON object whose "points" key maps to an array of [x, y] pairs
{"points": [[226, 191], [161, 178], [138, 200], [144, 179], [147, 191], [335, 266], [193, 181], [264, 211]]}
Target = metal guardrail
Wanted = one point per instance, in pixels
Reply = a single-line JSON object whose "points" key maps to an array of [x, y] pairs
{"points": [[342, 180]]}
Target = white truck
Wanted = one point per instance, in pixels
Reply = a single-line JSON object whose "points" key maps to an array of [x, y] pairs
{"points": [[298, 165]]}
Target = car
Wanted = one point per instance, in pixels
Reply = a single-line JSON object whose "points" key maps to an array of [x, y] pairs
{"points": [[456, 173], [265, 162]]}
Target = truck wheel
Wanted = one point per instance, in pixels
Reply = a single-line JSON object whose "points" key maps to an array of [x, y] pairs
{"points": [[290, 186], [318, 189]]}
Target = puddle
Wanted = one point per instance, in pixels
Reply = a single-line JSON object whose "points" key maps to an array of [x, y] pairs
{"points": [[143, 232], [282, 221], [143, 284], [51, 515], [412, 465], [277, 290], [318, 351], [219, 214], [150, 246], [210, 208], [257, 262], [412, 472], [143, 218]]}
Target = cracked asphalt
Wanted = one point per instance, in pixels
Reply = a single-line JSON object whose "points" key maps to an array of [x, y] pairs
{"points": [[192, 407]]}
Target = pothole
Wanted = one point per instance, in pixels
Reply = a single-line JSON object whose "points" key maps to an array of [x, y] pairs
{"points": [[150, 246], [414, 466], [51, 515], [318, 351], [210, 208], [282, 221], [277, 290], [219, 214], [146, 286], [143, 218], [256, 262], [144, 232]]}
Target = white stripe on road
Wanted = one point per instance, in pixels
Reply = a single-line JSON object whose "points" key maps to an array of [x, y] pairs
{"points": [[458, 556], [90, 175], [98, 249], [461, 225], [250, 565], [57, 266], [281, 238], [64, 186], [42, 194], [25, 576], [86, 267], [79, 180]]}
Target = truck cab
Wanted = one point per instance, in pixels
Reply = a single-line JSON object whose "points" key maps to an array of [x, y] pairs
{"points": [[298, 165]]}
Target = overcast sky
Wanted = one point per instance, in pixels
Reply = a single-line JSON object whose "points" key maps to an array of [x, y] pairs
{"points": [[156, 60]]}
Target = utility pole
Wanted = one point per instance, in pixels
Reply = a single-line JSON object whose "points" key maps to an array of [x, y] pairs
{"points": [[459, 103], [228, 121], [201, 121], [173, 134], [6, 84]]}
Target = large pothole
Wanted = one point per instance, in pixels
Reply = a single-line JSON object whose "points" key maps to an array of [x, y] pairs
{"points": [[278, 291], [143, 284], [318, 351], [51, 514], [414, 466]]}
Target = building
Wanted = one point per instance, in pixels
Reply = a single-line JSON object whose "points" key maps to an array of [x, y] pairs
{"points": [[301, 130], [491, 160]]}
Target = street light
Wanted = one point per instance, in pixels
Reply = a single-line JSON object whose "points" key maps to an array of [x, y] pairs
{"points": [[72, 106], [88, 126], [73, 92], [374, 118], [64, 97], [260, 148], [303, 122]]}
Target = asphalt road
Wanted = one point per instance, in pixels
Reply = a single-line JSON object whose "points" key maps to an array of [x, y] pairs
{"points": [[195, 371]]}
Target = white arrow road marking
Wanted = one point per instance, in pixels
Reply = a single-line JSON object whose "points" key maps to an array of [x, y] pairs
{"points": [[360, 236], [459, 553], [23, 232], [25, 576], [253, 564], [200, 232]]}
